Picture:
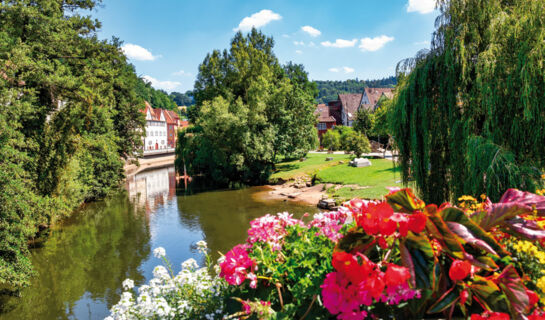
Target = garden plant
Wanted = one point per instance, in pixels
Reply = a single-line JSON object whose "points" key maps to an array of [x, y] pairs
{"points": [[392, 259]]}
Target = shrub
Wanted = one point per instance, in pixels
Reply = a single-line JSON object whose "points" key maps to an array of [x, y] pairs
{"points": [[358, 143], [331, 140]]}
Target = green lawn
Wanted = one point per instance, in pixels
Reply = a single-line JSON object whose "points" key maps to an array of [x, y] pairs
{"points": [[315, 161], [377, 177]]}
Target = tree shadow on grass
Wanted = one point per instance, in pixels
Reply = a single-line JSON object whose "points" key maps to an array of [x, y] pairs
{"points": [[286, 167]]}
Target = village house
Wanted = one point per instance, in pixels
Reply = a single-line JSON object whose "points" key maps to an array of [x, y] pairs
{"points": [[343, 111], [161, 129]]}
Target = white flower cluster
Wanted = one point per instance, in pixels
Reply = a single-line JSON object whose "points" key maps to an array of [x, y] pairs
{"points": [[192, 294]]}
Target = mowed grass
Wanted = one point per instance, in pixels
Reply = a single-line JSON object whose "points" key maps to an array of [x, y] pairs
{"points": [[314, 162], [376, 178]]}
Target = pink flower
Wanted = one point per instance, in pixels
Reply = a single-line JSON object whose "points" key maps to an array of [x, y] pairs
{"points": [[330, 223], [271, 229], [235, 267]]}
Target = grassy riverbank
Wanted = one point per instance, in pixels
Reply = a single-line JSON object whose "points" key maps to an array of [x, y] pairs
{"points": [[369, 182]]}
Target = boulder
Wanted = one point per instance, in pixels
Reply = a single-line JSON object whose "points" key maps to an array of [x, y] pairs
{"points": [[328, 158], [360, 163]]}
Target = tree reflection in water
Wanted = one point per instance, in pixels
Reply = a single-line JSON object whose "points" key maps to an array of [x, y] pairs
{"points": [[81, 264]]}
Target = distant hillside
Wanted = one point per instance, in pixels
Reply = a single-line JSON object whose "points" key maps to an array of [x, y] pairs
{"points": [[328, 89]]}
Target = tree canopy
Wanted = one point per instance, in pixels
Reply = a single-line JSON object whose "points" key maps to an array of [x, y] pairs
{"points": [[470, 114], [68, 116], [249, 110]]}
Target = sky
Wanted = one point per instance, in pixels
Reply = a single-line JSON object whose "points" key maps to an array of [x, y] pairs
{"points": [[166, 40]]}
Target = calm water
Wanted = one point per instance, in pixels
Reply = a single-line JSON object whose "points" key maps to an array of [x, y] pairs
{"points": [[81, 265]]}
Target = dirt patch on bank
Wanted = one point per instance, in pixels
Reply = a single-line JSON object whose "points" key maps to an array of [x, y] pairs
{"points": [[289, 192]]}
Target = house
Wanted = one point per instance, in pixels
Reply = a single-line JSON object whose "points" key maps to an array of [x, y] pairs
{"points": [[350, 104], [326, 120], [161, 129], [172, 120], [371, 97]]}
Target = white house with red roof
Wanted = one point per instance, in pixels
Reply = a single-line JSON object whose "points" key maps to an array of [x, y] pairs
{"points": [[156, 130]]}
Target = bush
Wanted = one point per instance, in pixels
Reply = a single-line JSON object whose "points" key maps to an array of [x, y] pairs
{"points": [[331, 140], [358, 143]]}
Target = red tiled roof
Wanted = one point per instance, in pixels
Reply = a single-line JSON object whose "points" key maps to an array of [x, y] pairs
{"points": [[350, 103], [374, 94], [323, 112]]}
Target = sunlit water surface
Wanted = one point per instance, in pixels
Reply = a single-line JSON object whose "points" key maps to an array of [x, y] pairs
{"points": [[81, 264]]}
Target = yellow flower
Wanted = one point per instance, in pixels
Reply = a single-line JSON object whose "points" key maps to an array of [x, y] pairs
{"points": [[483, 196], [466, 198]]}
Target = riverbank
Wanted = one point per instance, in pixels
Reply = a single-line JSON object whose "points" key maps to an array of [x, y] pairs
{"points": [[322, 175], [149, 162]]}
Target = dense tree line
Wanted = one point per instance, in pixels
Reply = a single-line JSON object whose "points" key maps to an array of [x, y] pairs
{"points": [[470, 114], [156, 97], [68, 116], [249, 111], [183, 99], [328, 90]]}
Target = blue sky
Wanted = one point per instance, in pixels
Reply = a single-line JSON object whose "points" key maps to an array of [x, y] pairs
{"points": [[166, 40]]}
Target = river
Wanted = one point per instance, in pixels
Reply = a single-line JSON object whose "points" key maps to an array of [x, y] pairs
{"points": [[81, 264]]}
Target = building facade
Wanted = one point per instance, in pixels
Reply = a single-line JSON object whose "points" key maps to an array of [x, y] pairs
{"points": [[157, 131], [343, 111]]}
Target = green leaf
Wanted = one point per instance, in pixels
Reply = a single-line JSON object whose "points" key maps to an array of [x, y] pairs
{"points": [[417, 255], [488, 294], [514, 289], [471, 232], [447, 299], [404, 201], [449, 240]]}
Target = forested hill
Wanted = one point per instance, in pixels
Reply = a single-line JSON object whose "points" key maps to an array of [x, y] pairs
{"points": [[328, 89]]}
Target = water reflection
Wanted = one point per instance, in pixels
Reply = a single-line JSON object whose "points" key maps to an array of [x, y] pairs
{"points": [[81, 265]]}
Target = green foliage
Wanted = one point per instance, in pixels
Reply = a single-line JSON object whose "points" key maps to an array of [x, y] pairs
{"points": [[329, 90], [69, 114], [183, 99], [358, 143], [331, 140], [249, 111], [156, 97], [299, 273], [476, 94], [364, 122]]}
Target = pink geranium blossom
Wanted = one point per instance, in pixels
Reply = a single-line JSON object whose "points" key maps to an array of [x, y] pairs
{"points": [[238, 266]]}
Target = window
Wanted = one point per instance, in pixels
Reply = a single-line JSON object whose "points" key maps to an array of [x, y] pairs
{"points": [[322, 126]]}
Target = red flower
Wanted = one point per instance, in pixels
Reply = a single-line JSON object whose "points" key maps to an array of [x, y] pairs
{"points": [[533, 298], [490, 316], [463, 296], [348, 265], [375, 285], [396, 275], [417, 222], [459, 270]]}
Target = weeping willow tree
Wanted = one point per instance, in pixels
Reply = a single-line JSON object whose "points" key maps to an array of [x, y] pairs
{"points": [[469, 114]]}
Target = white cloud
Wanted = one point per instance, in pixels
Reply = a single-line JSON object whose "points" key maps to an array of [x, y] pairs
{"points": [[298, 43], [312, 44], [298, 51], [421, 6], [374, 44], [182, 73], [136, 52], [311, 31], [285, 35], [333, 69], [165, 85], [340, 43], [348, 70], [257, 20]]}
